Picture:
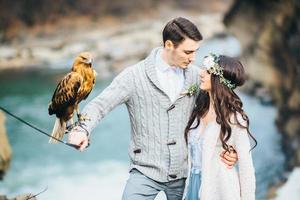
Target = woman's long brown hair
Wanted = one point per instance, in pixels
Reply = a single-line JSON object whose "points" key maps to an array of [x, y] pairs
{"points": [[226, 102]]}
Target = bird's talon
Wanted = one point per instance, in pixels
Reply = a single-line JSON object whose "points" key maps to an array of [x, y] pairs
{"points": [[83, 118], [70, 127]]}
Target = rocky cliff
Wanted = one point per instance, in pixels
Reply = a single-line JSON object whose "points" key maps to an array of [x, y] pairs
{"points": [[269, 32]]}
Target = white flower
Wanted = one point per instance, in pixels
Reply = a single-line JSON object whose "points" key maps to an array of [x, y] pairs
{"points": [[208, 62], [193, 89]]}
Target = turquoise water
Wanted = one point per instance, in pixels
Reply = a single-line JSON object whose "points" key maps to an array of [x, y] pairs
{"points": [[101, 171]]}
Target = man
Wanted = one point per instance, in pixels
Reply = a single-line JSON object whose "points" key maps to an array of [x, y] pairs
{"points": [[158, 113]]}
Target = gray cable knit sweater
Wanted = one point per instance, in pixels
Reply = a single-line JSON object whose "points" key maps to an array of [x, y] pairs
{"points": [[157, 147]]}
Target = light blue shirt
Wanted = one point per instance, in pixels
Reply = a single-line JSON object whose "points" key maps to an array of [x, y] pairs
{"points": [[195, 143], [170, 78]]}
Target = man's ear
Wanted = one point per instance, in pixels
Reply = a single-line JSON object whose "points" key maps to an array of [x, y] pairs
{"points": [[169, 45]]}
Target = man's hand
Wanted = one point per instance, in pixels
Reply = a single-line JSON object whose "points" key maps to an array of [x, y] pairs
{"points": [[78, 138], [229, 158]]}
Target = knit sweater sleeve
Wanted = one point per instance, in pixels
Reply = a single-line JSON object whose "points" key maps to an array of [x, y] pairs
{"points": [[245, 163], [118, 92]]}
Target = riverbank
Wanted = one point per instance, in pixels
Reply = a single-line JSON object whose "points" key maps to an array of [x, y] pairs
{"points": [[116, 43]]}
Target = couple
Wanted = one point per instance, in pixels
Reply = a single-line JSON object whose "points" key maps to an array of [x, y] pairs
{"points": [[182, 142]]}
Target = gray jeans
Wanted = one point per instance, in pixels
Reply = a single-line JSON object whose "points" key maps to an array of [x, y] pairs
{"points": [[140, 187]]}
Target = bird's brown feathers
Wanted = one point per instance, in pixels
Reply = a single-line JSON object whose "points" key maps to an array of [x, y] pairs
{"points": [[73, 88], [65, 96]]}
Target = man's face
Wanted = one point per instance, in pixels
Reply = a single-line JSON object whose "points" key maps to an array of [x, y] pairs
{"points": [[184, 53]]}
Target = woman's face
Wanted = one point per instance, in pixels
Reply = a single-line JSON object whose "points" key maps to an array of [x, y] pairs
{"points": [[205, 79]]}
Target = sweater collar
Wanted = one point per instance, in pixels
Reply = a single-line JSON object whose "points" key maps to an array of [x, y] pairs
{"points": [[150, 67]]}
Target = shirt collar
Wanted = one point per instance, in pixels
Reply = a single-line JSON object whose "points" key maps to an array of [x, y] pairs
{"points": [[162, 65]]}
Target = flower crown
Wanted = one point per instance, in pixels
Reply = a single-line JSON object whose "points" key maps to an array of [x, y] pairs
{"points": [[211, 63]]}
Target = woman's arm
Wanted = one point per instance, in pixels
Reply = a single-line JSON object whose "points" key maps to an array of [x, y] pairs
{"points": [[245, 163]]}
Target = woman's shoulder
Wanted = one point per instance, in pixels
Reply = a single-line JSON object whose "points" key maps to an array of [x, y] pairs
{"points": [[238, 119]]}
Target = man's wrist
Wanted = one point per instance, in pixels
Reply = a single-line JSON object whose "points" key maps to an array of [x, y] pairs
{"points": [[81, 129]]}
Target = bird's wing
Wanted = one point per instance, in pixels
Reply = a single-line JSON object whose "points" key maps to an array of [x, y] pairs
{"points": [[65, 93], [89, 84]]}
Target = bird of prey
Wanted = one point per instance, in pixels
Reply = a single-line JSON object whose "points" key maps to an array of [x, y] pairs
{"points": [[70, 91]]}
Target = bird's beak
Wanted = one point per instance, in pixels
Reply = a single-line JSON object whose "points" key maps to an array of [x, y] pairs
{"points": [[95, 73], [89, 61]]}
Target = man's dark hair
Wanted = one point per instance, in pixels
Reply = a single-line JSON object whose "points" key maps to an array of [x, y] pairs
{"points": [[178, 29]]}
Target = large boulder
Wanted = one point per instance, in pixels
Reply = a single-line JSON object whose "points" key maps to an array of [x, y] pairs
{"points": [[5, 149]]}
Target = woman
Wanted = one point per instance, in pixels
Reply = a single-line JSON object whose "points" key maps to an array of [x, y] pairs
{"points": [[218, 122]]}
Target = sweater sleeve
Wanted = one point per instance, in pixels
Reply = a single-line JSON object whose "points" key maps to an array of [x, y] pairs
{"points": [[245, 163], [118, 92]]}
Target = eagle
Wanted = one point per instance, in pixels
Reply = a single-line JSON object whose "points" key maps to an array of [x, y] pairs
{"points": [[70, 91]]}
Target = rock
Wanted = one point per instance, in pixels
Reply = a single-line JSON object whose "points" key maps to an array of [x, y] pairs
{"points": [[264, 96], [74, 48], [3, 197], [292, 126], [291, 189], [269, 32], [5, 149], [294, 102], [7, 52], [20, 197], [25, 197]]}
